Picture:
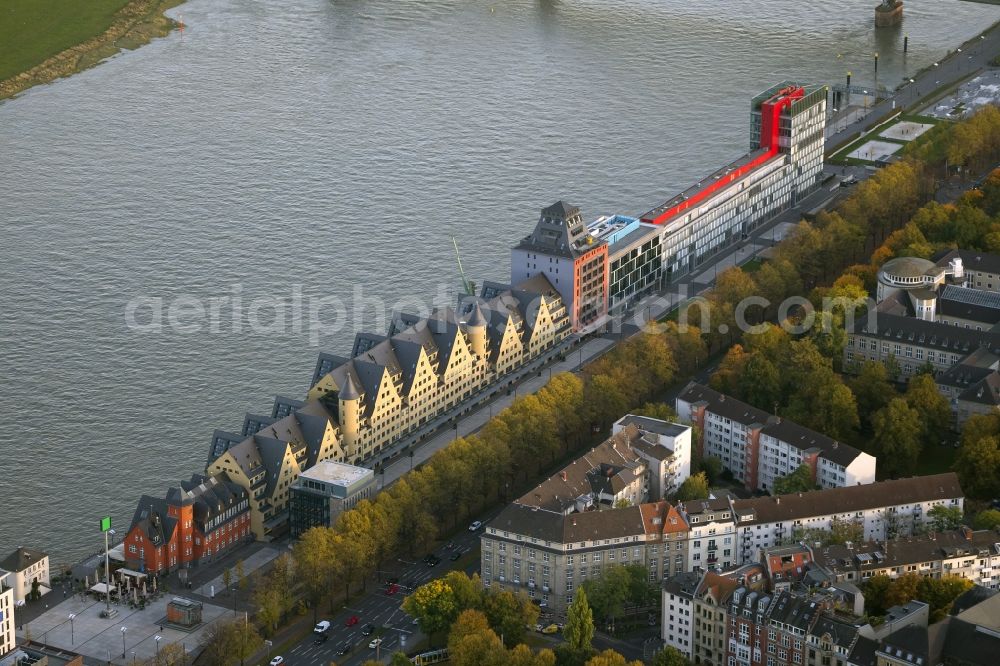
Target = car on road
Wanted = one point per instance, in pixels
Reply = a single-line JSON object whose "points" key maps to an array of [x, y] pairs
{"points": [[277, 661], [392, 589], [475, 525], [850, 180], [432, 560], [321, 627], [322, 638], [351, 621], [455, 555], [551, 629], [344, 648], [449, 545], [368, 629], [375, 643], [391, 579]]}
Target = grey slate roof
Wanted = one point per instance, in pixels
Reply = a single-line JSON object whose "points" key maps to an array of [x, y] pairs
{"points": [[684, 584], [908, 644], [909, 330], [653, 425], [21, 559], [851, 498], [787, 431], [972, 260], [970, 645]]}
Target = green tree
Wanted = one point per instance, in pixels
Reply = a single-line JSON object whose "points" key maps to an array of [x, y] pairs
{"points": [[508, 614], [316, 565], [478, 649], [872, 390], [227, 578], [711, 466], [399, 659], [579, 630], [799, 480], [468, 591], [897, 438], [978, 464], [467, 623], [670, 656], [273, 593], [611, 658], [231, 641], [876, 594], [923, 396], [940, 594], [694, 488], [987, 520], [760, 382], [656, 410], [945, 518], [433, 605]]}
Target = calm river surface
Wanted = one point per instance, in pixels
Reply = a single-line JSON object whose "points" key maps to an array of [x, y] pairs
{"points": [[295, 150]]}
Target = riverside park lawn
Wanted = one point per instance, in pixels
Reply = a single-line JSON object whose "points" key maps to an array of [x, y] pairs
{"points": [[33, 30]]}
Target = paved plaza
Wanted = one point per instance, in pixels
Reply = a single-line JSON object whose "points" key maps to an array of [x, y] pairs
{"points": [[977, 92], [100, 639], [905, 130], [217, 587], [874, 150]]}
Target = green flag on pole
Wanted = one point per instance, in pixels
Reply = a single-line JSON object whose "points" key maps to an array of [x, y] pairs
{"points": [[105, 523]]}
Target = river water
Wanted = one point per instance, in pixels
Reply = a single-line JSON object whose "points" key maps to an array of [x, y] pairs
{"points": [[278, 152]]}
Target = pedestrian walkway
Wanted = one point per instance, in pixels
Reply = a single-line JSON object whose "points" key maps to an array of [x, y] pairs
{"points": [[217, 585], [103, 639]]}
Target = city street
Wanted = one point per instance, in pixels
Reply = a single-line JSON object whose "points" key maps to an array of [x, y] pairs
{"points": [[382, 610]]}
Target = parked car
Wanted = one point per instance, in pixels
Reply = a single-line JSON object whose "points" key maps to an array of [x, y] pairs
{"points": [[344, 648], [540, 603], [449, 545], [432, 560], [392, 589], [475, 525], [375, 643], [321, 638], [551, 629], [351, 621], [391, 579], [277, 661], [368, 629], [321, 627], [455, 555]]}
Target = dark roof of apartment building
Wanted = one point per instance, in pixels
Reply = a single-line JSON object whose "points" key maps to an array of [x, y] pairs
{"points": [[984, 392], [974, 596], [905, 550], [850, 498], [657, 426], [560, 231], [552, 526], [972, 260], [607, 467], [784, 430], [795, 610], [863, 652], [683, 584], [151, 519], [21, 559], [929, 334], [969, 644], [842, 633], [908, 644]]}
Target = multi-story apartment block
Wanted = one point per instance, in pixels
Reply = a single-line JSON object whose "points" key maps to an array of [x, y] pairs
{"points": [[324, 491], [785, 163], [7, 639], [391, 386], [677, 620], [882, 510], [974, 555], [617, 258], [27, 567], [567, 530], [575, 261], [712, 540], [666, 448], [203, 519], [759, 448]]}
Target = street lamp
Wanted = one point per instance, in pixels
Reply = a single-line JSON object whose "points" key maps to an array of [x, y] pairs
{"points": [[124, 629], [72, 638], [157, 639]]}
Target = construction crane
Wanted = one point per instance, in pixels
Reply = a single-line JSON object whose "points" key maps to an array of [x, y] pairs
{"points": [[470, 288]]}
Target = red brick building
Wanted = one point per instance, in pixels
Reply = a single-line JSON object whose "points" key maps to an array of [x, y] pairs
{"points": [[203, 519]]}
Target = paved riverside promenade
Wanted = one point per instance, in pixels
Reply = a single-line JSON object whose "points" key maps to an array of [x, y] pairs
{"points": [[99, 639]]}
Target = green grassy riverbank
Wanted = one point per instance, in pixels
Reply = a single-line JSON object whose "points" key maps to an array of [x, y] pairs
{"points": [[44, 40]]}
